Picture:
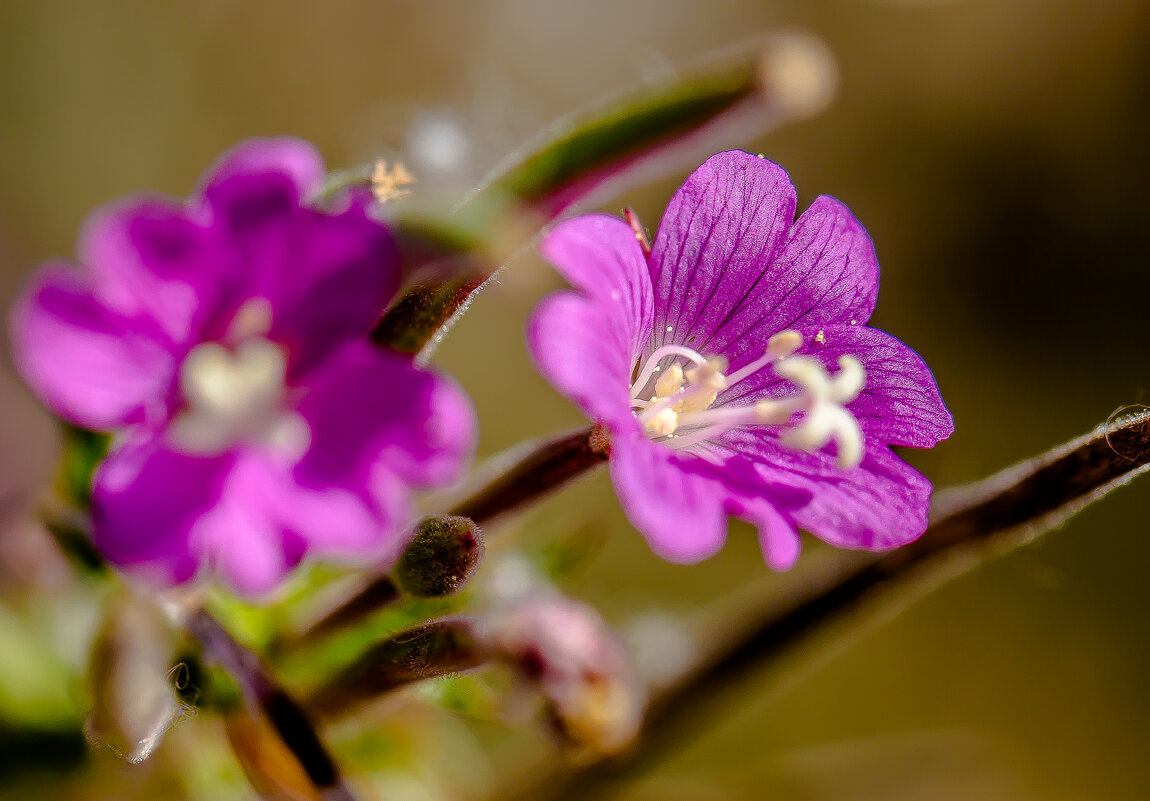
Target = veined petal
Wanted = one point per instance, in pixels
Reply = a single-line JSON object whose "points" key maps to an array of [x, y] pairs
{"points": [[599, 256], [92, 365], [825, 272], [716, 246], [576, 347], [679, 511], [881, 504], [778, 539], [146, 501], [368, 407], [900, 403]]}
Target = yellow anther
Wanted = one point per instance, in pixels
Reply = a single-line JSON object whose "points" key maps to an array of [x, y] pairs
{"points": [[387, 182], [662, 424], [670, 382]]}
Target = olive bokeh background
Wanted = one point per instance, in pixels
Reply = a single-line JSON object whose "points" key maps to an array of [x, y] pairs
{"points": [[995, 149]]}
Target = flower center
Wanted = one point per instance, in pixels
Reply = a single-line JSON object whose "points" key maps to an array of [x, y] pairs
{"points": [[677, 409], [236, 394]]}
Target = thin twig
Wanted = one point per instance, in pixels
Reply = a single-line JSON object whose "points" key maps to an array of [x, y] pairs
{"points": [[441, 647], [1009, 508], [549, 466]]}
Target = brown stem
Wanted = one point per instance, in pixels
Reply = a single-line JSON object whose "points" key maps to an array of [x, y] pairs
{"points": [[439, 648], [261, 691], [546, 468], [1009, 508]]}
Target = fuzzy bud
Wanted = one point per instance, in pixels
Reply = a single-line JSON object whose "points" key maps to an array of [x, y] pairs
{"points": [[441, 558]]}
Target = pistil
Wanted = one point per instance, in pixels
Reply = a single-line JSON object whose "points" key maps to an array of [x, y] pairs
{"points": [[235, 394], [679, 412]]}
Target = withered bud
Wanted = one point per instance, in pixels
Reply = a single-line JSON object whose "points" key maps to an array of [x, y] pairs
{"points": [[568, 651], [441, 558]]}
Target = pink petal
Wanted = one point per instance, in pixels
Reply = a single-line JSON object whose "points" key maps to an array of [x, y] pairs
{"points": [[146, 502], [91, 365], [679, 512], [582, 352], [369, 407], [148, 258], [881, 504], [825, 272], [229, 186], [778, 538], [599, 256]]}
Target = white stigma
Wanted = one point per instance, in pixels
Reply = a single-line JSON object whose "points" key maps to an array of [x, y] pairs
{"points": [[235, 395], [679, 412], [825, 418]]}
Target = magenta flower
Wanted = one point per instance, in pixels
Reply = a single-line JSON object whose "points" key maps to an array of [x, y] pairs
{"points": [[734, 371], [223, 338]]}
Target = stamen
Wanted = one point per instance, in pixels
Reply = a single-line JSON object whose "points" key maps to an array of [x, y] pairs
{"points": [[780, 346], [706, 381], [234, 395], [670, 382], [678, 414], [254, 319], [712, 422], [661, 424], [658, 356]]}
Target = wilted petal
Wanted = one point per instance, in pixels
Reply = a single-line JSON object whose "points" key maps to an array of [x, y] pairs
{"points": [[91, 365], [716, 246]]}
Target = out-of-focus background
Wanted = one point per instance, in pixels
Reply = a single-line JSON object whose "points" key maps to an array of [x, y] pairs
{"points": [[995, 149]]}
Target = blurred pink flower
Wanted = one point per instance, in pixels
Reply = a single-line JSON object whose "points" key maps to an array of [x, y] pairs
{"points": [[223, 339], [734, 371]]}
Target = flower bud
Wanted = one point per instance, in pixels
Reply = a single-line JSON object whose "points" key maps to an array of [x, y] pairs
{"points": [[441, 558]]}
